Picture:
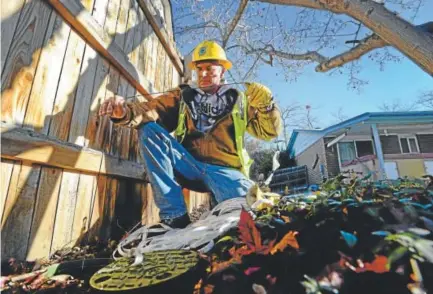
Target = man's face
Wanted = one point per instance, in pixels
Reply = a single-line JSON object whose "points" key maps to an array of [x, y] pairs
{"points": [[209, 74]]}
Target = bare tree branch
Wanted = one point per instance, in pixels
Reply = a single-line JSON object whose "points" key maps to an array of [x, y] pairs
{"points": [[426, 99], [397, 105], [234, 22], [416, 44], [271, 51], [366, 45]]}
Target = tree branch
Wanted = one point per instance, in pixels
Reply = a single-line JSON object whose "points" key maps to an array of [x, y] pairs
{"points": [[234, 22], [199, 26], [271, 51], [413, 42], [366, 45]]}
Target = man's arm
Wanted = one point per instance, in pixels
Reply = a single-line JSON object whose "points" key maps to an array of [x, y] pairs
{"points": [[163, 109]]}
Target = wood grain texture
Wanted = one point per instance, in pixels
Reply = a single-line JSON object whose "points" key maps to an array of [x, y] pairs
{"points": [[108, 207], [6, 169], [151, 215], [65, 97], [85, 194], [83, 22], [62, 235], [12, 193], [22, 60], [124, 34], [97, 208], [149, 53], [62, 126], [104, 130], [26, 145], [43, 93], [20, 205], [84, 94], [162, 34], [100, 80], [10, 12], [44, 217], [146, 30]]}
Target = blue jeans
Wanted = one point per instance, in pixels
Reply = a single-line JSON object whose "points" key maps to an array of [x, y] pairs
{"points": [[166, 159]]}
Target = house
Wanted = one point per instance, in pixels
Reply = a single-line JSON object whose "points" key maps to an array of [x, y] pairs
{"points": [[388, 144]]}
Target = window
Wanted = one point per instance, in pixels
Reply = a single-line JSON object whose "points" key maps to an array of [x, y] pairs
{"points": [[409, 145], [349, 151], [364, 148]]}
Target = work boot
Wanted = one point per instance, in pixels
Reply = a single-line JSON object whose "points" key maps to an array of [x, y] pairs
{"points": [[177, 222]]}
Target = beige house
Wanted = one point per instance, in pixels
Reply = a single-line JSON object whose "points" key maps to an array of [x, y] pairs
{"points": [[388, 144]]}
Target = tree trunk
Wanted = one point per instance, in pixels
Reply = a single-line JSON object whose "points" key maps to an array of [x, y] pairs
{"points": [[402, 35]]}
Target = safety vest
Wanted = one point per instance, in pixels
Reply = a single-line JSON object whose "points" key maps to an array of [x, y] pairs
{"points": [[240, 120]]}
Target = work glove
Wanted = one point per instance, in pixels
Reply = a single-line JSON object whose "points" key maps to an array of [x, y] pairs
{"points": [[115, 107], [259, 96]]}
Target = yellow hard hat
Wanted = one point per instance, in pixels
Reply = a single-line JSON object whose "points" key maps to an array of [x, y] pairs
{"points": [[209, 50]]}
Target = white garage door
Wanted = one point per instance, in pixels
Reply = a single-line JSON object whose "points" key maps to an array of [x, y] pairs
{"points": [[391, 170], [429, 167]]}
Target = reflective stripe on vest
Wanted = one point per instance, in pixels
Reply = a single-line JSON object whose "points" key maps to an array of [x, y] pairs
{"points": [[240, 119]]}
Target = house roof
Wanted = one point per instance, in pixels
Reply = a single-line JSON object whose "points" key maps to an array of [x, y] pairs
{"points": [[302, 139]]}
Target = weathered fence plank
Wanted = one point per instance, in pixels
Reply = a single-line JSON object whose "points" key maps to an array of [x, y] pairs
{"points": [[83, 22], [10, 14], [85, 195], [21, 63], [162, 34], [6, 168], [45, 213], [43, 93], [65, 211], [26, 145], [54, 80], [19, 212]]}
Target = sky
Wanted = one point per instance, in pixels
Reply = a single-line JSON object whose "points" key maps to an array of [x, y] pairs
{"points": [[401, 81]]}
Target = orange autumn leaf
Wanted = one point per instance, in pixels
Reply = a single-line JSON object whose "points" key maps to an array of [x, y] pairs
{"points": [[378, 265], [248, 231], [200, 288], [197, 287], [236, 255], [286, 219], [288, 240], [268, 248]]}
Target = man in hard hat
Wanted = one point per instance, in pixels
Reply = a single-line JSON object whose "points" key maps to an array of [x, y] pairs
{"points": [[209, 123]]}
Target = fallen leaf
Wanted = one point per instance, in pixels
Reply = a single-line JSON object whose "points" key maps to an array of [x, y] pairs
{"points": [[288, 240], [248, 231], [259, 289], [378, 265], [286, 219], [350, 239], [272, 280], [251, 270]]}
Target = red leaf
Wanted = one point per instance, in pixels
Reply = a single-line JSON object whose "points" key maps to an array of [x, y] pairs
{"points": [[248, 231], [251, 270]]}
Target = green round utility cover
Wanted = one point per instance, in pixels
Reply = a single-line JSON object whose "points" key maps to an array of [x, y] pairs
{"points": [[157, 267]]}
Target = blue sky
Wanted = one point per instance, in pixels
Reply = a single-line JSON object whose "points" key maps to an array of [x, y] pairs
{"points": [[403, 81]]}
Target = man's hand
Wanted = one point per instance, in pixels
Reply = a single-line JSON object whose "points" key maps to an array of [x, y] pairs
{"points": [[115, 107], [260, 97]]}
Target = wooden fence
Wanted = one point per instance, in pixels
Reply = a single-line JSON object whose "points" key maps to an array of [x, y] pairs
{"points": [[66, 174]]}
